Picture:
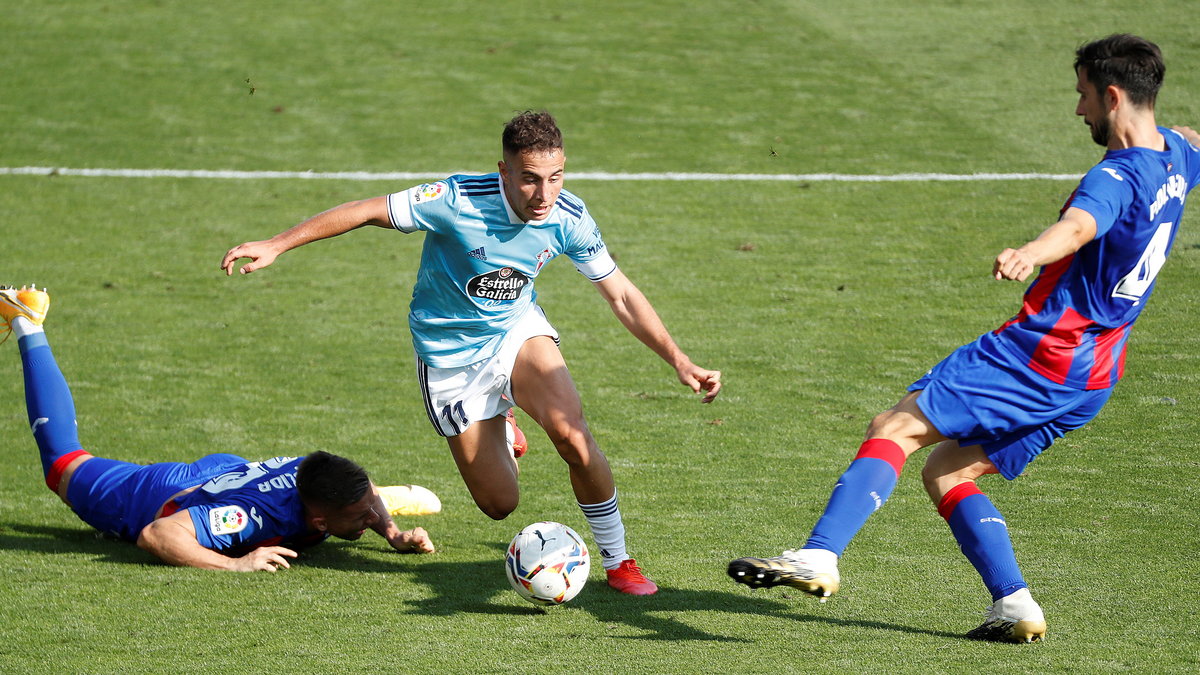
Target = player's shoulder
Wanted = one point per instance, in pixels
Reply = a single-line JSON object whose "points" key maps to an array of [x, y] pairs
{"points": [[478, 191], [1122, 171], [570, 206], [466, 184], [1177, 140]]}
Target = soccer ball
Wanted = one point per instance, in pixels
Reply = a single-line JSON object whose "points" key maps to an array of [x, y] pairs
{"points": [[547, 563]]}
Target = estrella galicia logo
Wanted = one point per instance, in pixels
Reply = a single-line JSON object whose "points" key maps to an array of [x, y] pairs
{"points": [[502, 284]]}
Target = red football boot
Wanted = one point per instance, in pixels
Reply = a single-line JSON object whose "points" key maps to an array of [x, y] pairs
{"points": [[516, 437], [628, 578]]}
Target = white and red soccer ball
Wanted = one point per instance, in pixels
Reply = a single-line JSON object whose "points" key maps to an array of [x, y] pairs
{"points": [[547, 563]]}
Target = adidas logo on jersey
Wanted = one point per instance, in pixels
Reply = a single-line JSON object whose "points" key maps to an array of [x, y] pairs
{"points": [[478, 254]]}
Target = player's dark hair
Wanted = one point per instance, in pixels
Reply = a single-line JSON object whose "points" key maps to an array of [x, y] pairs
{"points": [[531, 132], [1132, 63], [331, 481]]}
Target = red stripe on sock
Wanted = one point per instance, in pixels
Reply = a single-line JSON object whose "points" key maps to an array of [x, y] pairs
{"points": [[955, 495], [882, 448], [54, 476]]}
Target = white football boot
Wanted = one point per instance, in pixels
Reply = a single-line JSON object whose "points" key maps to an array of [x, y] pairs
{"points": [[1014, 618], [812, 570]]}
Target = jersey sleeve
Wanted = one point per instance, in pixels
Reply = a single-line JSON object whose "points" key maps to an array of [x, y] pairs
{"points": [[227, 526], [1105, 193], [585, 246], [424, 207]]}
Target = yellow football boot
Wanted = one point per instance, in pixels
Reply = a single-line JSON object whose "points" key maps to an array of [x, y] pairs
{"points": [[28, 302], [409, 500]]}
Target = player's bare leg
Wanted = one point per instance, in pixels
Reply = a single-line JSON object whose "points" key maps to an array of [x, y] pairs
{"points": [[949, 475], [948, 466], [544, 389], [487, 466]]}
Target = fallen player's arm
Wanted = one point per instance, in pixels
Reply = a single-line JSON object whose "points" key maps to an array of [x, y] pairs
{"points": [[415, 540], [173, 540]]}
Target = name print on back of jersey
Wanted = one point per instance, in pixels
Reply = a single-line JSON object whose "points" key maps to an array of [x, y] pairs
{"points": [[1176, 187], [254, 471]]}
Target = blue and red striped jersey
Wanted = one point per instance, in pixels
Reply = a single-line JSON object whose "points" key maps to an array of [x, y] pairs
{"points": [[1075, 321]]}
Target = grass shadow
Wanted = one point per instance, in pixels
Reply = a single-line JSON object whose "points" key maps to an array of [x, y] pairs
{"points": [[662, 616], [51, 539], [472, 587]]}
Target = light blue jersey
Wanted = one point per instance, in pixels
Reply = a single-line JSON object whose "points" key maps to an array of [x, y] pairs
{"points": [[480, 260]]}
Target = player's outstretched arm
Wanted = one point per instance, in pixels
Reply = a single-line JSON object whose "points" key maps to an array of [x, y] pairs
{"points": [[638, 316], [173, 540], [415, 540], [1058, 241], [335, 221]]}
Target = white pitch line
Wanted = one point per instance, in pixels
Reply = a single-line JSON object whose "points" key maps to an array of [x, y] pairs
{"points": [[575, 175]]}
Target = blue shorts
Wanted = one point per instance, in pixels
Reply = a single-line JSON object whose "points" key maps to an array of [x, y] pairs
{"points": [[121, 498], [977, 396]]}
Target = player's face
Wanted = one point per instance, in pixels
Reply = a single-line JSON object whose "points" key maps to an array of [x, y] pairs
{"points": [[532, 181], [1092, 108], [349, 522]]}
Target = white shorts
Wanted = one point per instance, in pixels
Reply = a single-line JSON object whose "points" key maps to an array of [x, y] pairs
{"points": [[456, 397]]}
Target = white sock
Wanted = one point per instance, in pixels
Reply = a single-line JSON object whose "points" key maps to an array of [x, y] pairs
{"points": [[22, 327], [608, 531]]}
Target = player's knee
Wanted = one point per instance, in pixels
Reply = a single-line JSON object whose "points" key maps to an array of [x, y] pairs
{"points": [[497, 507], [573, 442], [884, 425], [932, 478], [943, 470]]}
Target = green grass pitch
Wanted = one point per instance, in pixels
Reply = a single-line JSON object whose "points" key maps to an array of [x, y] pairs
{"points": [[819, 301]]}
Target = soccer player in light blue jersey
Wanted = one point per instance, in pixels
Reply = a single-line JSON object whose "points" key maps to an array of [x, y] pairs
{"points": [[482, 343], [993, 405], [219, 512]]}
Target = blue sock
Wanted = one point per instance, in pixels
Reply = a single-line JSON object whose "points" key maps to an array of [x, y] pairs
{"points": [[48, 401], [983, 537], [859, 492]]}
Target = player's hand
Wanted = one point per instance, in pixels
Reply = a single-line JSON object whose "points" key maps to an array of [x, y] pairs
{"points": [[260, 253], [1012, 264], [265, 559], [701, 380], [415, 540]]}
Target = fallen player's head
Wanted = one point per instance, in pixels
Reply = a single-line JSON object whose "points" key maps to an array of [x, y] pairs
{"points": [[337, 495]]}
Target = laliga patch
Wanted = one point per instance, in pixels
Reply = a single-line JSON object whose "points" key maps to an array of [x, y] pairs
{"points": [[428, 192], [227, 520]]}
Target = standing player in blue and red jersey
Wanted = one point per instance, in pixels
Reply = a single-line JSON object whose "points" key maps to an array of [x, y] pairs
{"points": [[481, 341], [993, 405], [220, 512]]}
